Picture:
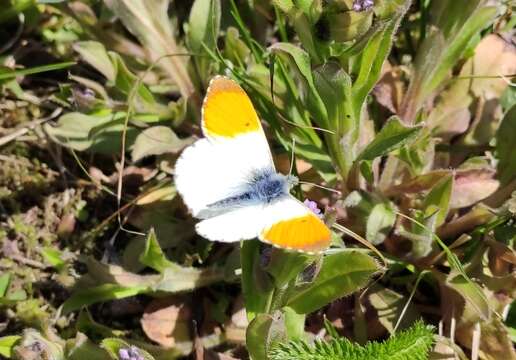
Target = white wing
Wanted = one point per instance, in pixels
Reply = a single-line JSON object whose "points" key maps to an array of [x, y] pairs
{"points": [[211, 170]]}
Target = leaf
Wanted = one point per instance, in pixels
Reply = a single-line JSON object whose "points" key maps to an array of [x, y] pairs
{"points": [[439, 198], [203, 24], [157, 140], [284, 266], [149, 22], [389, 305], [167, 321], [177, 278], [53, 257], [379, 223], [263, 332], [97, 133], [393, 135], [82, 348], [505, 149], [7, 344], [300, 62], [5, 280], [471, 292], [341, 274], [257, 285], [100, 293], [454, 24], [472, 186], [371, 57], [153, 256], [95, 54], [6, 74]]}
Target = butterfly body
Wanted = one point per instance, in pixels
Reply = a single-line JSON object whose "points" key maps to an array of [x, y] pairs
{"points": [[229, 181]]}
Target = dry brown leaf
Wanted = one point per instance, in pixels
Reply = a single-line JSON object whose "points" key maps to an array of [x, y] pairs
{"points": [[167, 321]]}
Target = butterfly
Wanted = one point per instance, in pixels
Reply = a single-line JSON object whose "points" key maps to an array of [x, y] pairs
{"points": [[228, 179]]}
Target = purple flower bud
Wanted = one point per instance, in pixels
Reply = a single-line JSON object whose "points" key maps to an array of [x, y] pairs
{"points": [[312, 205], [362, 5], [123, 354]]}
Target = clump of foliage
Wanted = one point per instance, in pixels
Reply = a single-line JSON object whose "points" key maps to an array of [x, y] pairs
{"points": [[412, 344], [407, 108]]}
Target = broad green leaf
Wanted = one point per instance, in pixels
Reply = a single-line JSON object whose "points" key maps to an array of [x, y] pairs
{"points": [[286, 265], [334, 87], [300, 62], [263, 332], [113, 347], [95, 54], [390, 307], [177, 278], [257, 285], [97, 133], [392, 136], [294, 323], [379, 223], [505, 149], [5, 280], [203, 24], [53, 257], [100, 293], [471, 292], [157, 140], [7, 344], [439, 198], [341, 274], [152, 255], [256, 336]]}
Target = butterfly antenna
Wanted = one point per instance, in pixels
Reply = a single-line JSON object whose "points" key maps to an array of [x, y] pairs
{"points": [[292, 156], [322, 187]]}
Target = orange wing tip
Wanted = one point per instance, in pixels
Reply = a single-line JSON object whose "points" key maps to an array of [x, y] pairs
{"points": [[306, 233], [227, 110]]}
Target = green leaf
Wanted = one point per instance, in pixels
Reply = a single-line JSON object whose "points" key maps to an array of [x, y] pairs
{"points": [[98, 133], [439, 198], [203, 24], [53, 257], [505, 149], [149, 22], [7, 344], [157, 140], [454, 25], [392, 136], [284, 266], [379, 223], [300, 61], [471, 292], [341, 274], [256, 336], [95, 54], [98, 294], [257, 285], [6, 74], [152, 255], [413, 344], [263, 332], [5, 280]]}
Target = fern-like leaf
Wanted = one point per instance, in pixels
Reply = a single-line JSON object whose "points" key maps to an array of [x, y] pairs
{"points": [[412, 344]]}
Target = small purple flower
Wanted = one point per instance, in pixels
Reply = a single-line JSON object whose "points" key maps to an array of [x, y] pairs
{"points": [[130, 353], [362, 5], [312, 205]]}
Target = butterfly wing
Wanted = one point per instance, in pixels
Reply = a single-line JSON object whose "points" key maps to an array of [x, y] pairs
{"points": [[285, 223], [289, 224], [219, 165]]}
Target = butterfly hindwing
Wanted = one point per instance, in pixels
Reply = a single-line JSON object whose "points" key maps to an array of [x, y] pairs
{"points": [[289, 224]]}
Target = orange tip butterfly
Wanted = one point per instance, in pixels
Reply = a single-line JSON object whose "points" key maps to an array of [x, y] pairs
{"points": [[229, 181]]}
